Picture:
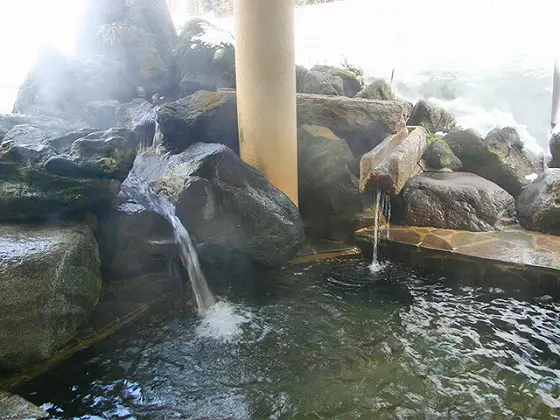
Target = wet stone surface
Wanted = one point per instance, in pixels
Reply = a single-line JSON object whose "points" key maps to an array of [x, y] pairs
{"points": [[14, 407], [514, 246]]}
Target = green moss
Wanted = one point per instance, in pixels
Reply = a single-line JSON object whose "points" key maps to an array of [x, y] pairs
{"points": [[108, 165], [169, 187], [431, 138]]}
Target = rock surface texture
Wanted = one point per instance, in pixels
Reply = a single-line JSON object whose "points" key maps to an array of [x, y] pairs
{"points": [[457, 200], [208, 117], [41, 177], [329, 199], [432, 117], [555, 150], [62, 86], [211, 117], [351, 78], [500, 157], [205, 58], [320, 83], [49, 280], [14, 407], [362, 123], [139, 35], [439, 155], [226, 205], [538, 205], [379, 89]]}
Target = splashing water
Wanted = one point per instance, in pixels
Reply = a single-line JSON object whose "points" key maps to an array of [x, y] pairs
{"points": [[223, 322], [189, 257]]}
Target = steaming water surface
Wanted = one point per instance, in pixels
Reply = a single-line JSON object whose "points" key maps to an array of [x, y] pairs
{"points": [[327, 340]]}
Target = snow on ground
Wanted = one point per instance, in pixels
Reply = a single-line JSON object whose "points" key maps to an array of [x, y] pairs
{"points": [[488, 61]]}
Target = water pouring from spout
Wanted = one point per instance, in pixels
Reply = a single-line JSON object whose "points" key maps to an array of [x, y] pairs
{"points": [[383, 206]]}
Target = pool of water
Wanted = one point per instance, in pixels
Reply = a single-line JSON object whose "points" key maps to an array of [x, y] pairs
{"points": [[328, 340]]}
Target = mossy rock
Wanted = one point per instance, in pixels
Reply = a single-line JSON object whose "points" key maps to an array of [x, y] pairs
{"points": [[352, 78], [76, 172], [500, 157], [328, 190], [320, 83], [439, 155], [378, 89], [49, 281], [139, 34], [205, 57]]}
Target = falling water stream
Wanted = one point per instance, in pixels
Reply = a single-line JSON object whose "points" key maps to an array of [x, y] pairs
{"points": [[189, 257], [375, 266], [382, 206]]}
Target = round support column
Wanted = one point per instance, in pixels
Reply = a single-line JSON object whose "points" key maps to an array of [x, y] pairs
{"points": [[266, 90]]}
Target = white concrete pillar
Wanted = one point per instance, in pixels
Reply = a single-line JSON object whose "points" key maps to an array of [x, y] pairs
{"points": [[266, 90]]}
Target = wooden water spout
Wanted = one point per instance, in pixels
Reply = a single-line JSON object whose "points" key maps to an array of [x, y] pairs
{"points": [[390, 164]]}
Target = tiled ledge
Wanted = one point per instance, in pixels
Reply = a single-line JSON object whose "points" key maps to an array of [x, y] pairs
{"points": [[528, 258]]}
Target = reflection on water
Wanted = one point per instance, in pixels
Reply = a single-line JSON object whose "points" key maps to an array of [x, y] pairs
{"points": [[329, 340]]}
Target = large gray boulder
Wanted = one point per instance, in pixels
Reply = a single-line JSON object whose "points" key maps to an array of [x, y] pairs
{"points": [[61, 87], [500, 157], [211, 117], [42, 177], [457, 200], [555, 150], [329, 199], [538, 206], [133, 239], [352, 78], [49, 281], [205, 57], [362, 123], [14, 407], [439, 156], [465, 144], [139, 116], [432, 117], [320, 83], [228, 207], [378, 89], [101, 114], [137, 34], [389, 166], [99, 154], [51, 126]]}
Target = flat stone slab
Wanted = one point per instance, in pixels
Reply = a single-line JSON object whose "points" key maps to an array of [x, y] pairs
{"points": [[512, 246], [529, 256], [14, 407], [319, 250]]}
